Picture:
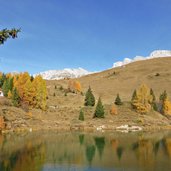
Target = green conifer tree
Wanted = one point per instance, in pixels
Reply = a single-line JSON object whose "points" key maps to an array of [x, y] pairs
{"points": [[99, 112], [134, 95], [2, 79], [153, 103], [163, 96], [81, 116], [5, 34], [7, 86], [15, 98], [89, 98], [118, 100]]}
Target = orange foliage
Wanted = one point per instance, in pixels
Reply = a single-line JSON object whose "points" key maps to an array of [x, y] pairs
{"points": [[2, 123], [113, 110], [74, 86]]}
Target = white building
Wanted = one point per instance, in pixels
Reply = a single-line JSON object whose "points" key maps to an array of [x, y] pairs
{"points": [[1, 93]]}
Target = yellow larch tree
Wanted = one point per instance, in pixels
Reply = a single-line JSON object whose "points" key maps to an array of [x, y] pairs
{"points": [[41, 92], [143, 99]]}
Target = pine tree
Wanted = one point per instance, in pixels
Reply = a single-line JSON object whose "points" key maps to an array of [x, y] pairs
{"points": [[89, 98], [134, 95], [81, 116], [7, 86], [2, 79], [5, 34], [99, 112], [118, 100], [163, 96], [153, 103], [15, 98]]}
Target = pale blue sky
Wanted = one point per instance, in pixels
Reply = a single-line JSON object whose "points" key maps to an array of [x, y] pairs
{"points": [[92, 34]]}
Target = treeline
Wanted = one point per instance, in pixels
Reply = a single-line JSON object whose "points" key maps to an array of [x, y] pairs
{"points": [[24, 90], [143, 101]]}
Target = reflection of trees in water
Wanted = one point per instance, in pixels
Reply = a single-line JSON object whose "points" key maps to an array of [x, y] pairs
{"points": [[100, 144], [81, 139], [167, 146], [90, 153], [29, 158], [119, 152], [146, 151]]}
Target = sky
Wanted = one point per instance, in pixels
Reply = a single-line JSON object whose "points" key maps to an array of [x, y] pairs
{"points": [[92, 34]]}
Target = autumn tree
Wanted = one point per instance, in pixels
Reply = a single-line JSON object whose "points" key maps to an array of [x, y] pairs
{"points": [[118, 100], [113, 110], [41, 92], [5, 34], [142, 103], [166, 108], [2, 123], [99, 111], [74, 86], [89, 98]]}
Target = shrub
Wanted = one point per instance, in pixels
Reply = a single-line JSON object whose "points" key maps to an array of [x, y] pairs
{"points": [[113, 110]]}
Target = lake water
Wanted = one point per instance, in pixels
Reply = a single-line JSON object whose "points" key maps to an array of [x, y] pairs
{"points": [[42, 151]]}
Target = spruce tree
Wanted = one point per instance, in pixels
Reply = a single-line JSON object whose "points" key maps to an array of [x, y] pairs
{"points": [[15, 97], [154, 105], [134, 95], [89, 98], [7, 86], [81, 116], [2, 79], [118, 100], [99, 112], [163, 96]]}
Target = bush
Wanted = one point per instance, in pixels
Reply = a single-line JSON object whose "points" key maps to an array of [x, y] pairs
{"points": [[113, 110]]}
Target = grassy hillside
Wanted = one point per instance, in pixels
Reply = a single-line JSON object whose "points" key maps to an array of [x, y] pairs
{"points": [[156, 73]]}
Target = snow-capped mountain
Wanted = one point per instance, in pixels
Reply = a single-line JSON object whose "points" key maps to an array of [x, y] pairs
{"points": [[154, 54], [65, 73]]}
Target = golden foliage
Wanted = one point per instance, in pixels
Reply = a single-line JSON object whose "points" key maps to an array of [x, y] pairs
{"points": [[166, 107], [9, 94], [2, 123], [113, 110], [142, 102]]}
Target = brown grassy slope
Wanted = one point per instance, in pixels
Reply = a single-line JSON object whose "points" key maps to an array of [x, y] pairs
{"points": [[124, 80]]}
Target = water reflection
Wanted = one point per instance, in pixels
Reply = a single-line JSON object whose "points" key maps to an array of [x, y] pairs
{"points": [[112, 151]]}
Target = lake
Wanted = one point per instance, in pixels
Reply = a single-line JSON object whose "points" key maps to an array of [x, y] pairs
{"points": [[50, 151]]}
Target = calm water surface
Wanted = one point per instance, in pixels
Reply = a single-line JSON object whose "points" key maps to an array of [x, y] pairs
{"points": [[82, 151]]}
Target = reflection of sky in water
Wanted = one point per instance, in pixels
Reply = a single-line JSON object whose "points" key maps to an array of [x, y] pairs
{"points": [[76, 168], [86, 152]]}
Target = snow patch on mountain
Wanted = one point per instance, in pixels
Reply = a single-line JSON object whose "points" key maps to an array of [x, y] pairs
{"points": [[61, 74], [154, 54]]}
